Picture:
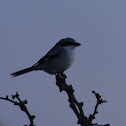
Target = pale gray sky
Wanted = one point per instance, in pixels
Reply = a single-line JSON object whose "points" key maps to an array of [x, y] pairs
{"points": [[28, 29]]}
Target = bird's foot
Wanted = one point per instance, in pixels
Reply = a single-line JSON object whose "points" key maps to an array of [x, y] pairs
{"points": [[61, 75]]}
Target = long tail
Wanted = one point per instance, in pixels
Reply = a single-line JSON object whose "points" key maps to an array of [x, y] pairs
{"points": [[22, 71]]}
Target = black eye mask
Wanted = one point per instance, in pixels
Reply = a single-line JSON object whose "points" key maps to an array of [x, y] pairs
{"points": [[70, 43]]}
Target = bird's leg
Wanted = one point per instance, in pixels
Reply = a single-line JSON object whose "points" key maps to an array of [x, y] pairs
{"points": [[61, 75]]}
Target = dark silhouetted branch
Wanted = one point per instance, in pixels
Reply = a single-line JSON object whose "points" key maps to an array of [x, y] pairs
{"points": [[99, 101], [74, 104], [22, 105], [77, 106]]}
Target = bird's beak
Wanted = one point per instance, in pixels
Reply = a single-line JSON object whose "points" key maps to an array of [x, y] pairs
{"points": [[77, 44]]}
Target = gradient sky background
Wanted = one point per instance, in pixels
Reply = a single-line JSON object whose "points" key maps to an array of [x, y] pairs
{"points": [[29, 28]]}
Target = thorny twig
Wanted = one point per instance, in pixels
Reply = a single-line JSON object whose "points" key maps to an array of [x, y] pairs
{"points": [[75, 105], [99, 101], [22, 105]]}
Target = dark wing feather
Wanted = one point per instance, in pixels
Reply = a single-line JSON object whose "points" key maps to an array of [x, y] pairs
{"points": [[47, 58]]}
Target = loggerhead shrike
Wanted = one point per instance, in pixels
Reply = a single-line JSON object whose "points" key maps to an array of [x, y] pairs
{"points": [[57, 60]]}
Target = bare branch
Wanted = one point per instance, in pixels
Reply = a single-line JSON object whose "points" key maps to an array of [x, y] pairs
{"points": [[22, 105], [74, 104], [77, 106]]}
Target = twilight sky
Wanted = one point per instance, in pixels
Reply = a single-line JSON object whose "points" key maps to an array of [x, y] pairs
{"points": [[28, 29]]}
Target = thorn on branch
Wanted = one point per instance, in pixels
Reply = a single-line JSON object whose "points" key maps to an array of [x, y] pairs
{"points": [[98, 97], [33, 117], [81, 104], [70, 89], [7, 97]]}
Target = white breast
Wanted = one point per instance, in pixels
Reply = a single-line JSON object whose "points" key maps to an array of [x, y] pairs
{"points": [[70, 55]]}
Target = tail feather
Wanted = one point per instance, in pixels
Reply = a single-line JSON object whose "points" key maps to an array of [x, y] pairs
{"points": [[22, 71]]}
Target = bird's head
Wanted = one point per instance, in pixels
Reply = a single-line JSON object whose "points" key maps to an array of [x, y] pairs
{"points": [[68, 43]]}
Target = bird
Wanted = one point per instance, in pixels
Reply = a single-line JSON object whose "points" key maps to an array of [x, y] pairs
{"points": [[57, 60]]}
